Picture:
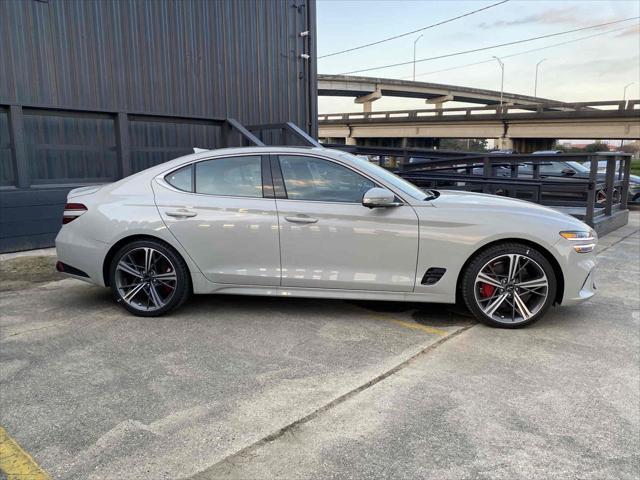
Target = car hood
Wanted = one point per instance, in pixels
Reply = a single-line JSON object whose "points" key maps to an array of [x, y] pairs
{"points": [[494, 204]]}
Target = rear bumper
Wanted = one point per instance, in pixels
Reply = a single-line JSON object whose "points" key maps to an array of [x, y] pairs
{"points": [[69, 270], [81, 254]]}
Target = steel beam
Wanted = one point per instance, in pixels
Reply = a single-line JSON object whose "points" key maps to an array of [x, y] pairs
{"points": [[18, 146], [123, 144]]}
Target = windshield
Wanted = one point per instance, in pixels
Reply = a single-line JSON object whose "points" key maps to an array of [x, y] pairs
{"points": [[391, 178], [578, 167]]}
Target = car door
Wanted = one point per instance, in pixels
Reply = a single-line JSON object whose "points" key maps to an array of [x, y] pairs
{"points": [[223, 213], [328, 239]]}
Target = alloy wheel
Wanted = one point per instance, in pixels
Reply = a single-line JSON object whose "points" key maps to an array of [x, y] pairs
{"points": [[145, 279], [511, 288]]}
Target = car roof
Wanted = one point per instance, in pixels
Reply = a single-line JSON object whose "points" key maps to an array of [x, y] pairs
{"points": [[258, 149], [202, 154]]}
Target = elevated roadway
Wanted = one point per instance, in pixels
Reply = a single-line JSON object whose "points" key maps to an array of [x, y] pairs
{"points": [[509, 123], [369, 89]]}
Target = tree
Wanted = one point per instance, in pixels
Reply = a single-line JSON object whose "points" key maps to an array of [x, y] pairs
{"points": [[561, 147], [633, 148], [596, 147]]}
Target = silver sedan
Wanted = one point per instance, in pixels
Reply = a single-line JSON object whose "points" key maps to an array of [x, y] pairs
{"points": [[314, 222]]}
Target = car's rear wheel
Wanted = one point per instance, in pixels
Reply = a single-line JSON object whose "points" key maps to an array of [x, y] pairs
{"points": [[509, 285], [149, 278]]}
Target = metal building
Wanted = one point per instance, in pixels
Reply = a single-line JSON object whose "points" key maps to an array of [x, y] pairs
{"points": [[94, 90]]}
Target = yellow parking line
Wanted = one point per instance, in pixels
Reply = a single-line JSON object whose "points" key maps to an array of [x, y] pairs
{"points": [[17, 464], [412, 325]]}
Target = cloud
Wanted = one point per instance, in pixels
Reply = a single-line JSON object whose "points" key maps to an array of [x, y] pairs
{"points": [[632, 30], [551, 16], [606, 65]]}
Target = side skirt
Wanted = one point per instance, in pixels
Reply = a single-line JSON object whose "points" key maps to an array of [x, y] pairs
{"points": [[322, 293]]}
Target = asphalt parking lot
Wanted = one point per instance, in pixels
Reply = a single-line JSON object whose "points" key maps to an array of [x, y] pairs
{"points": [[249, 387]]}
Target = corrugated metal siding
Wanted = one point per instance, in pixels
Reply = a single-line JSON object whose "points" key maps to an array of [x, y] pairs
{"points": [[211, 58], [7, 174], [225, 58]]}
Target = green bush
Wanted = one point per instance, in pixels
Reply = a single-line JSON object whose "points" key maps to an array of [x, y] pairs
{"points": [[635, 167]]}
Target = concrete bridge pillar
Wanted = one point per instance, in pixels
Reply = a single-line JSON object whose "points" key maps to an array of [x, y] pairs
{"points": [[367, 100], [439, 101], [504, 143]]}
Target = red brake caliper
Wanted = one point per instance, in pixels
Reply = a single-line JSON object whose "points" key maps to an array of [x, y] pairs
{"points": [[166, 289], [487, 290]]}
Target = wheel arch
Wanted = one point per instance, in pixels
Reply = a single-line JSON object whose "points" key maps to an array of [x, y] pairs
{"points": [[134, 238], [557, 270]]}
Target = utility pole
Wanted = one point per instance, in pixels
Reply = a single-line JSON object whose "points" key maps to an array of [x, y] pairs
{"points": [[414, 56], [535, 85]]}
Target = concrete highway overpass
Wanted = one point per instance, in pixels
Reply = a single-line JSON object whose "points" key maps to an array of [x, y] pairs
{"points": [[366, 90], [525, 127]]}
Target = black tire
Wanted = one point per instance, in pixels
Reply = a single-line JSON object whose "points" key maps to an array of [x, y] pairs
{"points": [[182, 289], [471, 293]]}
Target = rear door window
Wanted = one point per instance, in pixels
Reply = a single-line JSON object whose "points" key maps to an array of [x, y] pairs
{"points": [[232, 176]]}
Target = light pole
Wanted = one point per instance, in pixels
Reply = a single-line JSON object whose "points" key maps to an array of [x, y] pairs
{"points": [[535, 84], [501, 80], [414, 56], [624, 97], [624, 90]]}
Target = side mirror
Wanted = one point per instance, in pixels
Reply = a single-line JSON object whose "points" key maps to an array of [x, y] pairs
{"points": [[568, 171], [378, 198]]}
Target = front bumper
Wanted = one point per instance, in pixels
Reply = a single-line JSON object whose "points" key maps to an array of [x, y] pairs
{"points": [[579, 271], [587, 290]]}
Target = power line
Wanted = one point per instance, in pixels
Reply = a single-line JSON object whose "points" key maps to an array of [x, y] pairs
{"points": [[520, 53], [413, 31], [489, 47]]}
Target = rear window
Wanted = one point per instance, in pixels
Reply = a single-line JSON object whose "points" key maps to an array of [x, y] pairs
{"points": [[182, 179]]}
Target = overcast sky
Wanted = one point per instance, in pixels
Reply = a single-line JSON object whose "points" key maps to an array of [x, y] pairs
{"points": [[596, 68]]}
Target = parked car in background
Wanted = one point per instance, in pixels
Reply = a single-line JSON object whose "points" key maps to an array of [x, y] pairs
{"points": [[565, 168], [558, 169], [315, 222], [503, 152]]}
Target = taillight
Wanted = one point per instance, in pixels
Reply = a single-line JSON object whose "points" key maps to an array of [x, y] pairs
{"points": [[72, 211]]}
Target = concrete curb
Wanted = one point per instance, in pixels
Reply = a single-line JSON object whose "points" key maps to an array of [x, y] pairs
{"points": [[41, 252]]}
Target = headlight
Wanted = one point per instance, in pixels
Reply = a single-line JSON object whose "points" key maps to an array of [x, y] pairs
{"points": [[585, 240], [584, 248], [577, 235]]}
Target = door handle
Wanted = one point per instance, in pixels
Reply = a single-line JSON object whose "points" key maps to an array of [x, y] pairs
{"points": [[301, 219], [182, 213]]}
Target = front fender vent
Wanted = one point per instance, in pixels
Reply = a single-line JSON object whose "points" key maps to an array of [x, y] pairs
{"points": [[432, 275]]}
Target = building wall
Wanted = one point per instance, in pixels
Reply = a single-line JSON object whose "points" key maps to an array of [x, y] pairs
{"points": [[226, 58]]}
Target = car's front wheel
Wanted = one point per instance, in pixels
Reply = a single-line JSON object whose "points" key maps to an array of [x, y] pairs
{"points": [[509, 285], [149, 278]]}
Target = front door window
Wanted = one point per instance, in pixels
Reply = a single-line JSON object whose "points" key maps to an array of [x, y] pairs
{"points": [[316, 179]]}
